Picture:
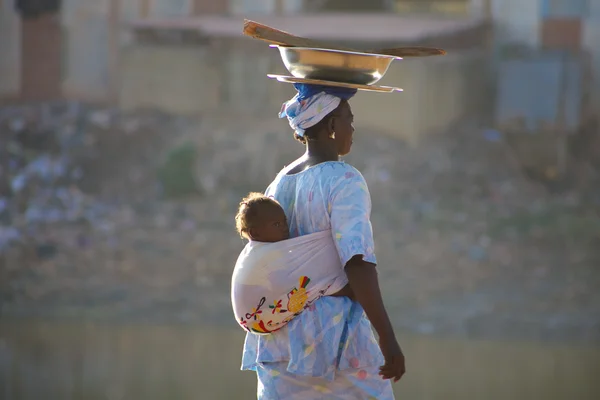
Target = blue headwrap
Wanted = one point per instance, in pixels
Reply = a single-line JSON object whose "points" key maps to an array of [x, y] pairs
{"points": [[312, 104], [305, 91]]}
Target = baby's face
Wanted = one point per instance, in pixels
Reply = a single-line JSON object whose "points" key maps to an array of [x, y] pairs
{"points": [[272, 225]]}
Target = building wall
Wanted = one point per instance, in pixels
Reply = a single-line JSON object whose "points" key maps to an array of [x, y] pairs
{"points": [[459, 8], [175, 78], [94, 34], [41, 43], [573, 24], [200, 7], [10, 54], [86, 52], [438, 92], [591, 41], [264, 7], [91, 59], [517, 21], [90, 34], [171, 8]]}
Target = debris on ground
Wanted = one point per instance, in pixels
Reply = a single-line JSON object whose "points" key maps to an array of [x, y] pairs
{"points": [[131, 215]]}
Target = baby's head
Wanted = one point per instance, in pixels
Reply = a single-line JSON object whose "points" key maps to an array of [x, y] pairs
{"points": [[262, 219]]}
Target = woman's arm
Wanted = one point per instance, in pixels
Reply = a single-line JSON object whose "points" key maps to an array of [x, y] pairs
{"points": [[362, 276], [346, 291], [350, 211]]}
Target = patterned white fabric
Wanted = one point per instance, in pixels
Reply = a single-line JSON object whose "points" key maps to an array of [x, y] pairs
{"points": [[274, 282], [302, 114]]}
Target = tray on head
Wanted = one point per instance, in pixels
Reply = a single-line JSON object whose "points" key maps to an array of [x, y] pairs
{"points": [[370, 88], [334, 65]]}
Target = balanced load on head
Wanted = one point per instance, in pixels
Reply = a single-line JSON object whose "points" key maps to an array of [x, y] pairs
{"points": [[313, 62]]}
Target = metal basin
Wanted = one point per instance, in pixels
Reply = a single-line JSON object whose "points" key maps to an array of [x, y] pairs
{"points": [[335, 65]]}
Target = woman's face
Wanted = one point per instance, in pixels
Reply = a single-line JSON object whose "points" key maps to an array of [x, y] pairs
{"points": [[343, 128]]}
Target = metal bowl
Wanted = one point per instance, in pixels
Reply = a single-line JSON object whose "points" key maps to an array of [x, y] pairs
{"points": [[335, 65]]}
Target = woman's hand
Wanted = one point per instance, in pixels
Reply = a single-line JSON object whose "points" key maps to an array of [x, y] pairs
{"points": [[394, 366]]}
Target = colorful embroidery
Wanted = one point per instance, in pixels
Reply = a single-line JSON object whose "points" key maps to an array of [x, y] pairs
{"points": [[276, 307], [256, 311], [297, 303], [297, 298], [259, 327]]}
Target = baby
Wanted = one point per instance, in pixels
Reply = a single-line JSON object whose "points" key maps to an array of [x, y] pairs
{"points": [[265, 277], [261, 219]]}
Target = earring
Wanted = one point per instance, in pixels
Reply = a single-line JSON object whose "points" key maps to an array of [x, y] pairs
{"points": [[332, 135]]}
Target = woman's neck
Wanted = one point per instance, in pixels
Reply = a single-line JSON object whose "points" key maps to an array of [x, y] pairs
{"points": [[316, 153]]}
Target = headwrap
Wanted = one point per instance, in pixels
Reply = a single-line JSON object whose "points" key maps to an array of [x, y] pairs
{"points": [[311, 104]]}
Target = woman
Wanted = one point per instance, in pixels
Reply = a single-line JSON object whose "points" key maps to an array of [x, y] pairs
{"points": [[329, 351]]}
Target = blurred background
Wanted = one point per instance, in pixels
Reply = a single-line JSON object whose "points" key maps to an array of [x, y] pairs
{"points": [[130, 130]]}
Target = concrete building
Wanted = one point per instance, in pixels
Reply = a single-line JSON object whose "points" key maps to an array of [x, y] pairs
{"points": [[188, 55], [547, 24], [76, 52]]}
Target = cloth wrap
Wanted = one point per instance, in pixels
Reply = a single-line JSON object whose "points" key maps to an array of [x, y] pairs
{"points": [[274, 282], [311, 104]]}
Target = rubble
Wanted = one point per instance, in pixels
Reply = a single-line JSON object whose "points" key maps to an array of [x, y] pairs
{"points": [[88, 224], [50, 165]]}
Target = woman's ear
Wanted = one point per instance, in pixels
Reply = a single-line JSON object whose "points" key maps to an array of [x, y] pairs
{"points": [[331, 126]]}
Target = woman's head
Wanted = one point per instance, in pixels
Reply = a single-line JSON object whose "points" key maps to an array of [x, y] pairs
{"points": [[335, 129], [321, 117], [262, 219]]}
